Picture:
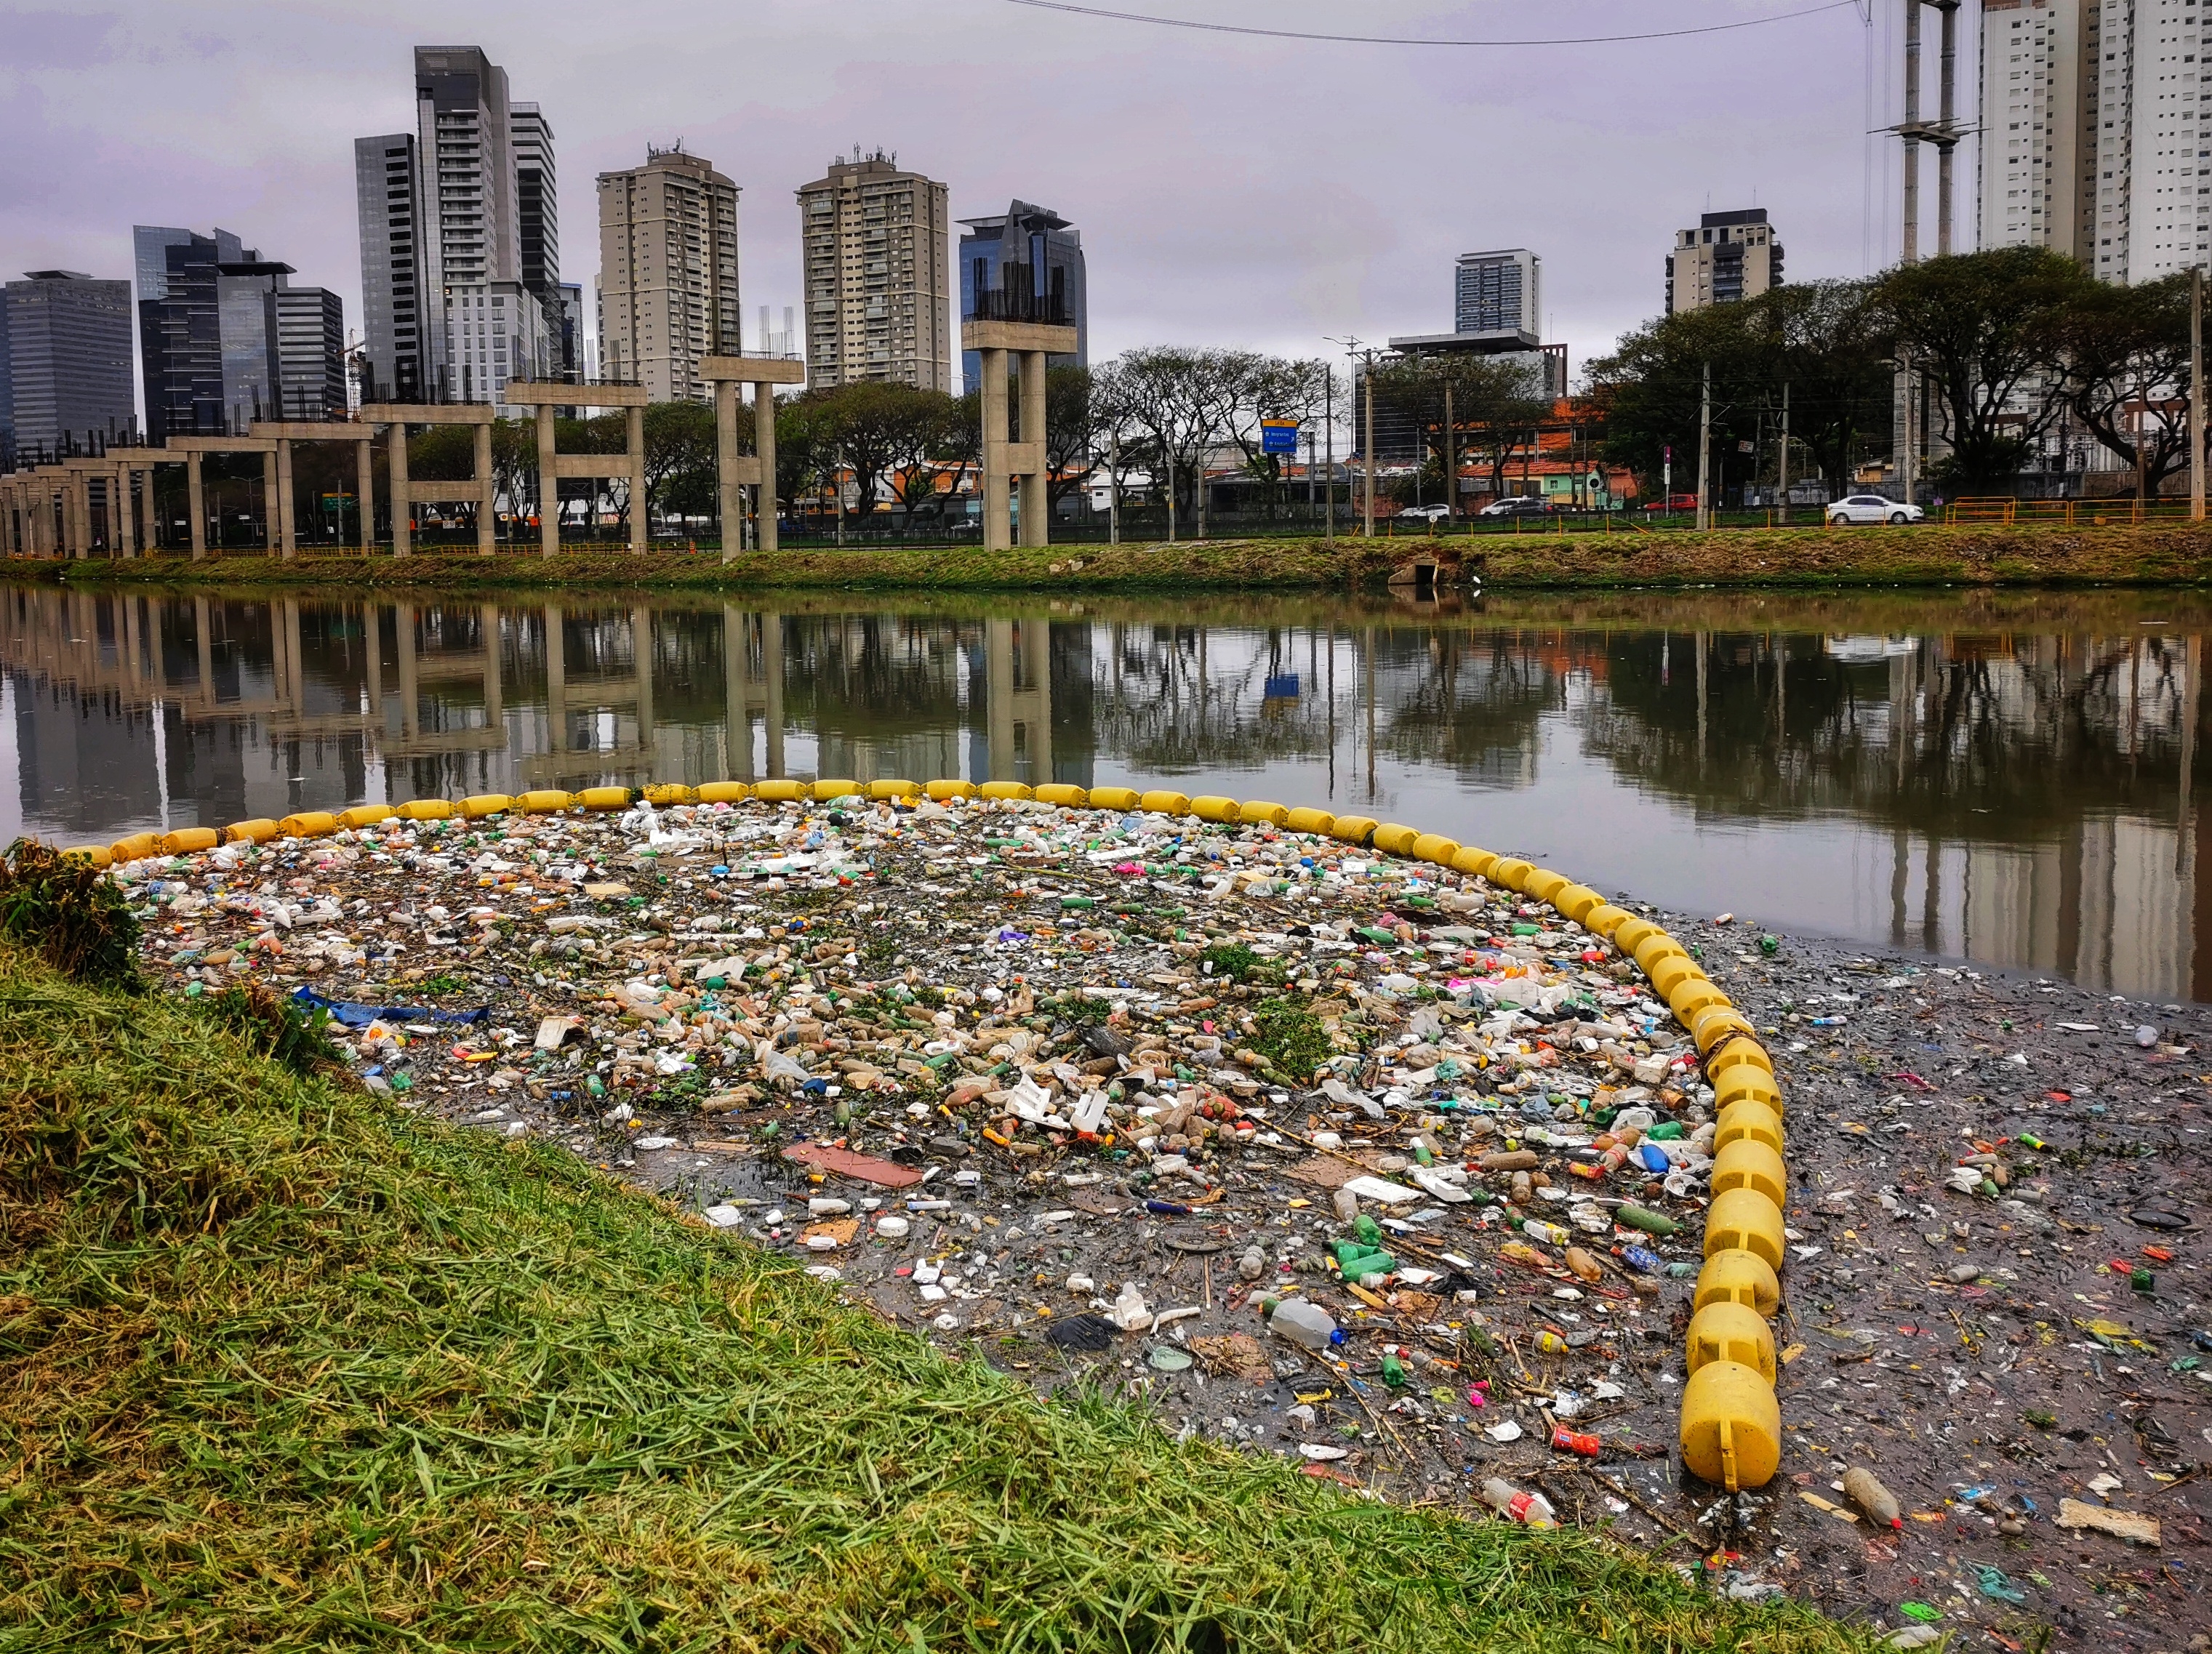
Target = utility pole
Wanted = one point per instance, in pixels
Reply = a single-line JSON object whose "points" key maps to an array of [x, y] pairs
{"points": [[1705, 449], [1114, 489], [2196, 395], [1451, 459], [1328, 441], [1367, 452], [1784, 485]]}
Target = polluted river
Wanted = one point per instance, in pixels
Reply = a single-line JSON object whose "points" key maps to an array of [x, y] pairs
{"points": [[1331, 1153]]}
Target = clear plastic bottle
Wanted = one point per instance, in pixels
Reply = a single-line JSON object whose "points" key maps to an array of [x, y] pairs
{"points": [[1530, 1510], [1305, 1324]]}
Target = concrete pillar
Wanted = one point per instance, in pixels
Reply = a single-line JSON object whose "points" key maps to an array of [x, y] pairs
{"points": [[272, 510], [549, 485], [998, 519], [764, 447], [7, 518], [1036, 525], [639, 539], [731, 496], [287, 507], [125, 519], [365, 488], [772, 671], [487, 508], [76, 514], [556, 679], [402, 509], [196, 504], [488, 623], [738, 739]]}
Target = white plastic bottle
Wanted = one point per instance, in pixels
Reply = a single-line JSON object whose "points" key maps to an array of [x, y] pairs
{"points": [[1531, 1510], [1302, 1324]]}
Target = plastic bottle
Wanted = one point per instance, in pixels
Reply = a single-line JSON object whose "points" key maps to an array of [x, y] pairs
{"points": [[1864, 1490], [1531, 1510], [1584, 1266], [1550, 1233], [1575, 1441], [1307, 1325]]}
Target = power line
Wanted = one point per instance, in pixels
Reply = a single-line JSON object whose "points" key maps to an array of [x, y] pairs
{"points": [[1408, 41]]}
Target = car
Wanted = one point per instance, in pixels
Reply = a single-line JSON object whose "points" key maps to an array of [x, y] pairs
{"points": [[1524, 505], [1673, 502], [1871, 509], [1428, 514]]}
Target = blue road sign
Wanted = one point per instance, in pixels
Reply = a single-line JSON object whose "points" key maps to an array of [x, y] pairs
{"points": [[1278, 437]]}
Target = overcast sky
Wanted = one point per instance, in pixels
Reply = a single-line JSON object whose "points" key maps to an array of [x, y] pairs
{"points": [[1229, 190]]}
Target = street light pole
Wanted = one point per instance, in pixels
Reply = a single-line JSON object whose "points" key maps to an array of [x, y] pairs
{"points": [[1705, 450]]}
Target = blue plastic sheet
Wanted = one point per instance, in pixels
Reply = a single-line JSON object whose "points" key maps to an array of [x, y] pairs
{"points": [[347, 1013]]}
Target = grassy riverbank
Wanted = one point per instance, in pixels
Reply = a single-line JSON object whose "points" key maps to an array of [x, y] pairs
{"points": [[286, 1368], [2162, 553]]}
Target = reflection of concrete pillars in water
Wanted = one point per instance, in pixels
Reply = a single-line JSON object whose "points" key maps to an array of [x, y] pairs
{"points": [[488, 622], [1370, 652], [736, 718], [294, 685], [1704, 642], [205, 648], [404, 625], [132, 675], [372, 631], [641, 644], [1017, 710], [556, 679], [771, 625]]}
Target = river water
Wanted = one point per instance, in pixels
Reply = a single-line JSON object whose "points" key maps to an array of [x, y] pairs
{"points": [[2012, 779]]}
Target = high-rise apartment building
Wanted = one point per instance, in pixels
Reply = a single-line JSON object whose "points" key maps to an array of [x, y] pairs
{"points": [[2093, 143], [225, 339], [459, 237], [64, 362], [878, 275], [1500, 292], [1729, 256], [1024, 264], [668, 273], [2039, 112]]}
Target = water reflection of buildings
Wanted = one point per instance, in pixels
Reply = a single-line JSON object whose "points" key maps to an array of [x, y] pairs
{"points": [[2024, 798]]}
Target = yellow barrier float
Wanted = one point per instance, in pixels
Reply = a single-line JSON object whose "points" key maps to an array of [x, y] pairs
{"points": [[1731, 1422]]}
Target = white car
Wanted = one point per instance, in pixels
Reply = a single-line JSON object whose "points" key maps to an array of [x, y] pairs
{"points": [[1431, 514], [1872, 508]]}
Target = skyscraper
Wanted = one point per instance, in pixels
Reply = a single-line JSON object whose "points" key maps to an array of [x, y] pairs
{"points": [[873, 242], [1500, 292], [64, 360], [668, 273], [1728, 257], [1024, 264], [459, 236], [224, 338], [2097, 134], [2040, 138]]}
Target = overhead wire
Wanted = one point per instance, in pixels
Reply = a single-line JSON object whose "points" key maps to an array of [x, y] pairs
{"points": [[1416, 40]]}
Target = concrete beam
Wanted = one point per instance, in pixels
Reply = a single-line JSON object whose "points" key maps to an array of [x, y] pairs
{"points": [[449, 492], [755, 370], [309, 430], [223, 444], [548, 393], [427, 413], [1018, 336], [589, 465]]}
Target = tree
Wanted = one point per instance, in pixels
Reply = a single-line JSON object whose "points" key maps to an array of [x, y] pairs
{"points": [[1069, 427], [679, 458], [1495, 408], [1988, 331], [2126, 356]]}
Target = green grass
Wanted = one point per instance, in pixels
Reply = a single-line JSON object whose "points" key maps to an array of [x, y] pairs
{"points": [[2163, 552], [283, 1368]]}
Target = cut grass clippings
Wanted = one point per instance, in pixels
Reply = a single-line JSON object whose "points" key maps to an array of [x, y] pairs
{"points": [[285, 1367]]}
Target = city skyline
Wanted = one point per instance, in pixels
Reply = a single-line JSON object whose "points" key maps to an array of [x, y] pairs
{"points": [[1338, 232]]}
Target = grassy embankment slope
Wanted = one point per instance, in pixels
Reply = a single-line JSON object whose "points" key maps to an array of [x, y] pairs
{"points": [[2173, 553], [286, 1368]]}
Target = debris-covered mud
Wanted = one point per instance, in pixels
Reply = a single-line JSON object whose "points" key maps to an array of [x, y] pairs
{"points": [[1339, 1156]]}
